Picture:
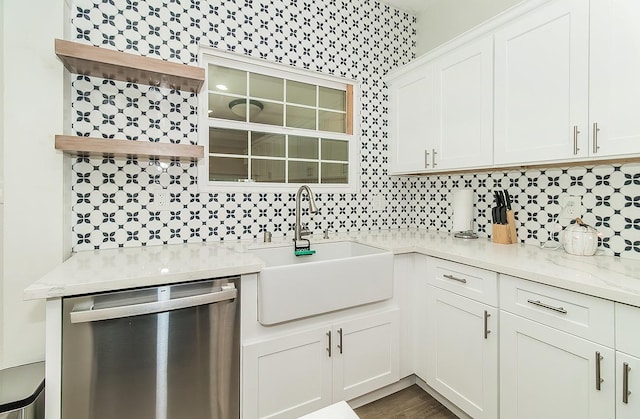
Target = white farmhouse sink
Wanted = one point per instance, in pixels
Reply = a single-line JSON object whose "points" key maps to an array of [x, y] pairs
{"points": [[339, 275]]}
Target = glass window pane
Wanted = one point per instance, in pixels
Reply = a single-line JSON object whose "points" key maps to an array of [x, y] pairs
{"points": [[303, 147], [303, 172], [335, 150], [298, 117], [265, 144], [228, 169], [219, 107], [333, 99], [266, 87], [264, 112], [301, 93], [227, 80], [332, 121], [335, 173], [228, 141], [268, 170]]}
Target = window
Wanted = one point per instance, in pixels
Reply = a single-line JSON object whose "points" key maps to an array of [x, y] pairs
{"points": [[266, 125]]}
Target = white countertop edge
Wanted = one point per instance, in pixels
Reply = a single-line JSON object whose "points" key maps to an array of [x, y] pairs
{"points": [[581, 287], [42, 291]]}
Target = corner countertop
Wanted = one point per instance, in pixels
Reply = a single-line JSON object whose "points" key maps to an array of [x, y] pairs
{"points": [[108, 270]]}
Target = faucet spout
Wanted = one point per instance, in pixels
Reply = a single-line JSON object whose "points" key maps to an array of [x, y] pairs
{"points": [[313, 208]]}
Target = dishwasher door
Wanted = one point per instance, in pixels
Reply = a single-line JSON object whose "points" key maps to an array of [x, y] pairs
{"points": [[166, 352]]}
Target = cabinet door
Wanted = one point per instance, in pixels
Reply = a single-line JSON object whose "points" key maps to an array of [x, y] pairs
{"points": [[541, 84], [411, 120], [462, 361], [464, 106], [547, 373], [614, 102], [627, 379], [287, 377], [365, 355]]}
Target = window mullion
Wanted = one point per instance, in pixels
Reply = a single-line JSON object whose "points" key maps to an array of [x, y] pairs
{"points": [[249, 156], [286, 158]]}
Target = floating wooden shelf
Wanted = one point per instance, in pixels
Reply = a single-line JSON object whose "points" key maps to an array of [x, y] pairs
{"points": [[109, 64], [102, 146]]}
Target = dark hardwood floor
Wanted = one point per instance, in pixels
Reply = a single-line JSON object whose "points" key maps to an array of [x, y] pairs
{"points": [[410, 403]]}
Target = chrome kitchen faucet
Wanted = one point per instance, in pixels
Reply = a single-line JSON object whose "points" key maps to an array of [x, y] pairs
{"points": [[299, 231]]}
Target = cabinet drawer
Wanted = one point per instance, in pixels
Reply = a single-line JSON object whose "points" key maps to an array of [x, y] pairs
{"points": [[575, 313], [627, 337], [468, 281]]}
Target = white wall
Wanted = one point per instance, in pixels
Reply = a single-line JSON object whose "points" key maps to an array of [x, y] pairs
{"points": [[32, 80], [443, 20]]}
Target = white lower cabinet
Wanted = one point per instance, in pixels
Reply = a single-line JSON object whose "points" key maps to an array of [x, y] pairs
{"points": [[287, 376], [627, 386], [366, 355], [627, 362], [292, 375], [556, 353], [462, 354], [547, 373], [456, 337]]}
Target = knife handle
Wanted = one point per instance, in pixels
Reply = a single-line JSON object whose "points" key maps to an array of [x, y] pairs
{"points": [[507, 199]]}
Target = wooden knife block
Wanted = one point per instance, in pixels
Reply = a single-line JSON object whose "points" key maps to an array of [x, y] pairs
{"points": [[505, 233]]}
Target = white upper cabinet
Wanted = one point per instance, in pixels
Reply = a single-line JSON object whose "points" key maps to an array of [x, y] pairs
{"points": [[548, 81], [464, 107], [442, 111], [614, 85], [541, 85], [412, 116]]}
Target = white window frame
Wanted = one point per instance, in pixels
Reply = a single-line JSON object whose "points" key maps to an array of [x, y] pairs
{"points": [[208, 55]]}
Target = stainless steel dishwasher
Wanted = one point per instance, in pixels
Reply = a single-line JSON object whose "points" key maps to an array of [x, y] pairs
{"points": [[166, 352]]}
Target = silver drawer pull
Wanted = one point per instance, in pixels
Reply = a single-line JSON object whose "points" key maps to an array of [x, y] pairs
{"points": [[486, 324], [464, 281], [547, 306], [599, 379], [625, 383]]}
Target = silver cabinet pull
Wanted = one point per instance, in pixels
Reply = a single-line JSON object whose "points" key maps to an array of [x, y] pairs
{"points": [[599, 379], [426, 159], [329, 346], [575, 140], [433, 157], [547, 306], [486, 326], [596, 147], [340, 342], [625, 383], [464, 281]]}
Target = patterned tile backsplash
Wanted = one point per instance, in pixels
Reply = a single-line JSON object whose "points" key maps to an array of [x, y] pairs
{"points": [[362, 40]]}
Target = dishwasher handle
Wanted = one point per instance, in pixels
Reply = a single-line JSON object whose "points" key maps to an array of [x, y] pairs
{"points": [[91, 315]]}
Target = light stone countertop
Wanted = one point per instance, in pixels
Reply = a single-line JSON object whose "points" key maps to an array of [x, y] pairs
{"points": [[107, 270]]}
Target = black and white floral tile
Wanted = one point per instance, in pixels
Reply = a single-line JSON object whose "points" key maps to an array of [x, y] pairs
{"points": [[362, 40], [610, 200]]}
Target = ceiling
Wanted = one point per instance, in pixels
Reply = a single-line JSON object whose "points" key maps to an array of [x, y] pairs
{"points": [[413, 6]]}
